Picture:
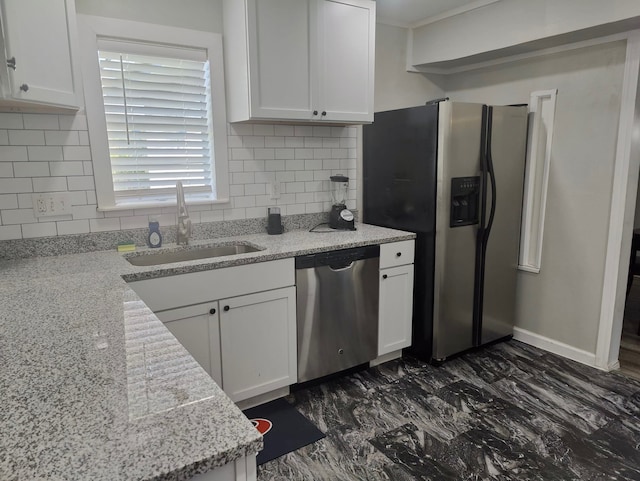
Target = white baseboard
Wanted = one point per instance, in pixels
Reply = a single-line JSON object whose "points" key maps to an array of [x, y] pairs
{"points": [[614, 366], [556, 347]]}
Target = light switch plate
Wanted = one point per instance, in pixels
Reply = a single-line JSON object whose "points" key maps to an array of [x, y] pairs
{"points": [[51, 204]]}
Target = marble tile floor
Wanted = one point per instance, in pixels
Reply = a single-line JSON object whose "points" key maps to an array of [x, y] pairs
{"points": [[507, 412], [630, 343]]}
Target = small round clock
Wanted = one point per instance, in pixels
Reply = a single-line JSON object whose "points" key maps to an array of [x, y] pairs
{"points": [[154, 238]]}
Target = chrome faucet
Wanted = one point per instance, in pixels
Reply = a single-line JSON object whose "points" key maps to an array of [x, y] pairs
{"points": [[184, 222]]}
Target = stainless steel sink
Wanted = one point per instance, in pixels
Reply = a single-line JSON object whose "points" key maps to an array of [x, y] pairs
{"points": [[190, 254]]}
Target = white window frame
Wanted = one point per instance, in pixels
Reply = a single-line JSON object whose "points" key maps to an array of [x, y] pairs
{"points": [[91, 29]]}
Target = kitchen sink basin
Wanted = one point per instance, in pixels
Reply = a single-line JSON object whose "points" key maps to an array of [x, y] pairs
{"points": [[191, 254]]}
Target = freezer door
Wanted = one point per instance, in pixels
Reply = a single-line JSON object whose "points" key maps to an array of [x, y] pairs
{"points": [[508, 143], [459, 139]]}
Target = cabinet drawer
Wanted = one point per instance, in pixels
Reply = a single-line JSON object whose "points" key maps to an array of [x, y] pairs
{"points": [[198, 287], [397, 253]]}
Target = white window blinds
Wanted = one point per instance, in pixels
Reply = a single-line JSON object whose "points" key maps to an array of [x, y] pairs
{"points": [[158, 115]]}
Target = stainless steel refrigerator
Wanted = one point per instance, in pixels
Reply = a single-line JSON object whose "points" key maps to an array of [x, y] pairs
{"points": [[453, 173]]}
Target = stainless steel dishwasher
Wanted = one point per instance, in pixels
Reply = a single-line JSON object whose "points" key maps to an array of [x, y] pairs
{"points": [[337, 310]]}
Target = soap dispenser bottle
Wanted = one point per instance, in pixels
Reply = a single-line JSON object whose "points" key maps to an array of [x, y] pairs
{"points": [[154, 239]]}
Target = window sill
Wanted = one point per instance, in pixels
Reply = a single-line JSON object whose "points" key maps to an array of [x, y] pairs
{"points": [[159, 203]]}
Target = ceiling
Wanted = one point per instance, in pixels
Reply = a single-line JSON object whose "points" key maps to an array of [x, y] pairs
{"points": [[407, 13]]}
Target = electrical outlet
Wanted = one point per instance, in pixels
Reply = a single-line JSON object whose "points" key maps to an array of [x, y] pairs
{"points": [[274, 190], [51, 204]]}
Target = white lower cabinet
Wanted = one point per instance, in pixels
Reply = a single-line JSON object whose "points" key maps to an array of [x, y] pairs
{"points": [[198, 330], [238, 323], [395, 313], [395, 308], [258, 343]]}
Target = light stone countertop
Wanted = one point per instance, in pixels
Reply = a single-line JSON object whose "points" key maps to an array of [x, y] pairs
{"points": [[93, 386]]}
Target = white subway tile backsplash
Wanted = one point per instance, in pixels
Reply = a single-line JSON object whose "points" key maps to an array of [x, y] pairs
{"points": [[348, 142], [251, 141], [84, 182], [255, 189], [73, 227], [242, 154], [253, 166], [313, 164], [294, 142], [263, 129], [284, 130], [241, 129], [51, 153], [265, 154], [38, 153], [31, 169], [15, 186], [26, 137], [49, 184], [304, 197], [40, 121], [11, 121], [285, 154], [18, 216], [303, 130], [102, 225], [286, 176], [211, 216], [8, 201], [42, 229], [8, 232], [6, 170], [273, 165], [85, 212], [303, 175], [274, 142], [13, 154], [236, 190], [62, 137], [75, 152], [312, 142], [246, 201], [73, 122], [234, 214]]}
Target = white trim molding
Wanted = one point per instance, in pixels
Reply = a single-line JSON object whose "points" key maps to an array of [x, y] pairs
{"points": [[542, 107], [624, 191], [556, 347]]}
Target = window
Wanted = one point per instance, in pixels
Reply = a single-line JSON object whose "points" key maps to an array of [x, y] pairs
{"points": [[156, 113]]}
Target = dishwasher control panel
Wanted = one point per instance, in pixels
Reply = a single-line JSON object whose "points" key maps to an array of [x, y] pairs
{"points": [[338, 258]]}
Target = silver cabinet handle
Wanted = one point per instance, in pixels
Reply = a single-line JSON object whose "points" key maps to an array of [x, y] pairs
{"points": [[11, 63], [24, 87]]}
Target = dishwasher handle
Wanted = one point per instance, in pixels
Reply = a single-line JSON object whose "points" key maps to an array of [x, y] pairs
{"points": [[337, 259]]}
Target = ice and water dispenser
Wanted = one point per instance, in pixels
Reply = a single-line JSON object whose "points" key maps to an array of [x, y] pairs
{"points": [[465, 201]]}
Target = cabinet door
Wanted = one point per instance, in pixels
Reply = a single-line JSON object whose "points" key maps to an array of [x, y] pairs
{"points": [[258, 343], [396, 308], [346, 36], [197, 328], [40, 37], [281, 68]]}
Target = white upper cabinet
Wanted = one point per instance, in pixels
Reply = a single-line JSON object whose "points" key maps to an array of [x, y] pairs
{"points": [[38, 37], [300, 60]]}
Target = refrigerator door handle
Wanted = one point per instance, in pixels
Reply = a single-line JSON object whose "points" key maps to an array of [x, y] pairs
{"points": [[492, 178]]}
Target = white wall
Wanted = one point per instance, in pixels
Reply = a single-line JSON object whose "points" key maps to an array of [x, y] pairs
{"points": [[203, 15], [514, 22], [396, 88], [563, 301]]}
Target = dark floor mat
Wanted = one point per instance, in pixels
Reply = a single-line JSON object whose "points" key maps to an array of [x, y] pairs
{"points": [[283, 427]]}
